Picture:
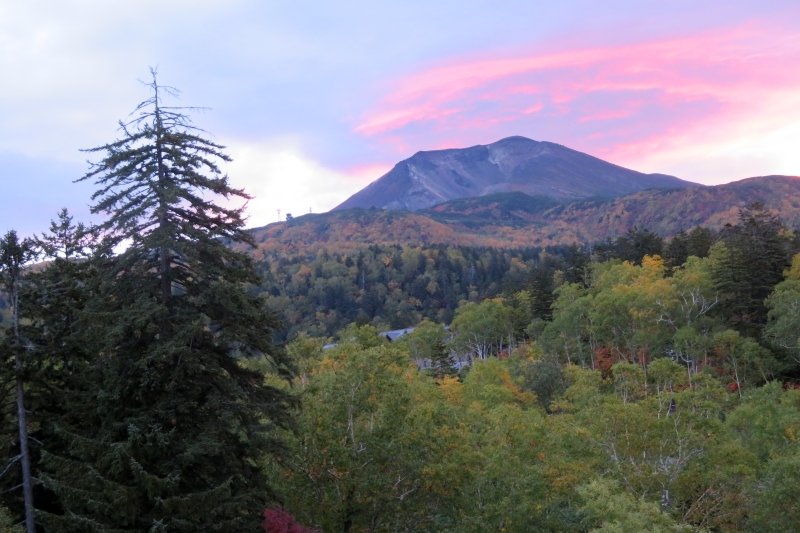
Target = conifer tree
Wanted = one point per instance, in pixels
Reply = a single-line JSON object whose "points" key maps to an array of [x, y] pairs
{"points": [[637, 243], [175, 430], [14, 254], [56, 369], [677, 251], [541, 287], [442, 361], [756, 255], [699, 242]]}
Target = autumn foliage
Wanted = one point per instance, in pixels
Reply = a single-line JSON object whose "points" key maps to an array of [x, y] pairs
{"points": [[279, 521]]}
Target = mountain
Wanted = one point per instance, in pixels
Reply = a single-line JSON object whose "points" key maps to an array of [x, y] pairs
{"points": [[513, 164], [514, 220]]}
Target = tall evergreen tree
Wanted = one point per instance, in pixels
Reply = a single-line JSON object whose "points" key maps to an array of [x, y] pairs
{"points": [[677, 251], [176, 428], [14, 254], [55, 294], [756, 254], [637, 243], [541, 287], [442, 361], [699, 241], [55, 356], [576, 264]]}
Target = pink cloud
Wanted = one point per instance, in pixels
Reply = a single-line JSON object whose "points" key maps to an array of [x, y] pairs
{"points": [[533, 109], [612, 101], [367, 173], [606, 115]]}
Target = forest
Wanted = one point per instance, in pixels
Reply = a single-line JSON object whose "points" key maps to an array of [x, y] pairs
{"points": [[648, 395], [321, 290], [160, 373]]}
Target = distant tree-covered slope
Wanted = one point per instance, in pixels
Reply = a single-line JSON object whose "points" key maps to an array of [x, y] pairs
{"points": [[513, 220], [395, 287], [667, 212]]}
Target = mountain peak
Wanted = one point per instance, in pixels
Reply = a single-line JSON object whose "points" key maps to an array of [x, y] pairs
{"points": [[511, 164]]}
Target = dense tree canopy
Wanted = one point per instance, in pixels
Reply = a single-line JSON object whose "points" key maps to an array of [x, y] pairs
{"points": [[386, 448]]}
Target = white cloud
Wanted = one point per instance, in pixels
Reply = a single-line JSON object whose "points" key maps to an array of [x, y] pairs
{"points": [[280, 176]]}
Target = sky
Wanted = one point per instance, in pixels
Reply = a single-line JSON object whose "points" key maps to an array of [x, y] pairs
{"points": [[314, 100]]}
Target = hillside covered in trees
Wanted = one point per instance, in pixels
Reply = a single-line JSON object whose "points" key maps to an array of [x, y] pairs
{"points": [[320, 290], [650, 395], [171, 371]]}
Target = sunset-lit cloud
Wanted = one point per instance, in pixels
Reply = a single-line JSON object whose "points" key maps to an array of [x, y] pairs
{"points": [[665, 102]]}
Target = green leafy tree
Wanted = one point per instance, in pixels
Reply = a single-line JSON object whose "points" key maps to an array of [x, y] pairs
{"points": [[505, 487], [767, 424], [172, 434], [767, 421], [364, 440], [483, 329], [423, 340], [652, 432], [543, 376], [695, 295], [743, 360], [628, 310], [364, 336], [306, 352], [778, 504], [609, 510], [783, 327], [570, 336]]}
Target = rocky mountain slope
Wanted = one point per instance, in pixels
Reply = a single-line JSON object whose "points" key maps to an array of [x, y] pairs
{"points": [[518, 220], [514, 164]]}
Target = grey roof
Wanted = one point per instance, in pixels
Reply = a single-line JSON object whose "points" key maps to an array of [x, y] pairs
{"points": [[395, 333]]}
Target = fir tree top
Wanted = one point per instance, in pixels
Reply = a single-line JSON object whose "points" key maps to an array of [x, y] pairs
{"points": [[158, 186], [157, 177]]}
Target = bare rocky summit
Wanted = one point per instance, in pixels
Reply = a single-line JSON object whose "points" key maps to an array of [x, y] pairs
{"points": [[513, 164]]}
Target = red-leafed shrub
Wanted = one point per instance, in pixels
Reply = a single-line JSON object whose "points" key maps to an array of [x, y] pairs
{"points": [[279, 521], [604, 360]]}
